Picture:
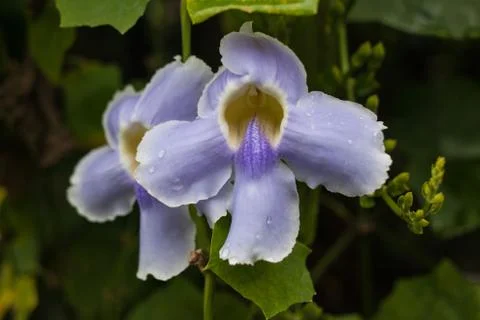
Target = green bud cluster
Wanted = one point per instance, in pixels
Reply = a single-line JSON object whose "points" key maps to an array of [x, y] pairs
{"points": [[434, 199], [398, 187], [365, 62]]}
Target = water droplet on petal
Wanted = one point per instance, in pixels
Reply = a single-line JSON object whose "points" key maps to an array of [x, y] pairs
{"points": [[177, 187], [151, 169], [176, 184], [258, 236], [329, 123], [269, 220], [308, 114], [378, 136], [350, 141], [224, 253], [161, 154]]}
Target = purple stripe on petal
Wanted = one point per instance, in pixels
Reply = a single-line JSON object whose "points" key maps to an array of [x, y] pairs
{"points": [[255, 157]]}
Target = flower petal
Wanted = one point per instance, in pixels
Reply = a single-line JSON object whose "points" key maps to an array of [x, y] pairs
{"points": [[266, 60], [100, 188], [167, 237], [335, 143], [118, 113], [223, 83], [216, 207], [184, 162], [265, 217], [173, 92]]}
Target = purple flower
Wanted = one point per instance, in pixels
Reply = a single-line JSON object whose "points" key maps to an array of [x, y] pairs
{"points": [[102, 185], [258, 122]]}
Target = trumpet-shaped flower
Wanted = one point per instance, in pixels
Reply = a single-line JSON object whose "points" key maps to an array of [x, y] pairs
{"points": [[102, 185], [258, 122]]}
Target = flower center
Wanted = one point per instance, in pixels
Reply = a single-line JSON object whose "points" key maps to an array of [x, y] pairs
{"points": [[130, 138], [246, 104]]}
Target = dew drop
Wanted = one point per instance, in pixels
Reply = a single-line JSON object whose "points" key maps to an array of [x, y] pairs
{"points": [[269, 220], [224, 253], [151, 170], [308, 114], [258, 236], [161, 154], [177, 187], [378, 137], [350, 141], [176, 184]]}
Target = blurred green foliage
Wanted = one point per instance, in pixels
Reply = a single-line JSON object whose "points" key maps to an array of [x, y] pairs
{"points": [[444, 18], [444, 294]]}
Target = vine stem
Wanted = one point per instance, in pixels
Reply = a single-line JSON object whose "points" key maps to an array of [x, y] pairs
{"points": [[209, 286], [390, 202], [208, 295], [344, 58], [186, 30], [366, 270], [333, 253]]}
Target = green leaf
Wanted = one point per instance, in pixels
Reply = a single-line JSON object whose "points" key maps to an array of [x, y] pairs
{"points": [[272, 286], [88, 90], [180, 299], [201, 10], [121, 14], [438, 108], [48, 43], [444, 18], [442, 295]]}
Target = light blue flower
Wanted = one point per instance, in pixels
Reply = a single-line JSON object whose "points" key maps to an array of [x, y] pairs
{"points": [[258, 122], [102, 185]]}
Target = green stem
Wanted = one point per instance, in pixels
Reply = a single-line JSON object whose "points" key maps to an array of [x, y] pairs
{"points": [[309, 217], [333, 253], [366, 270], [209, 286], [208, 295], [345, 58], [337, 207], [391, 203], [343, 46], [186, 30]]}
